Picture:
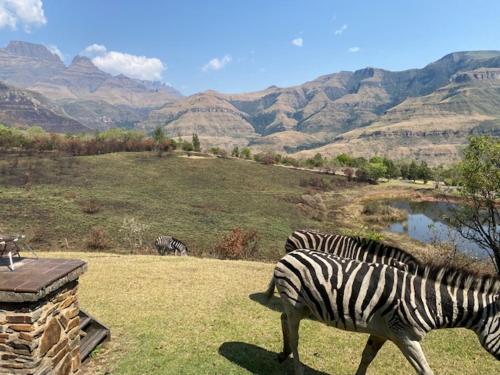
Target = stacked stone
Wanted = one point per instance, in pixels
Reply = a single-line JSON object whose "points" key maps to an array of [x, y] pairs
{"points": [[41, 337]]}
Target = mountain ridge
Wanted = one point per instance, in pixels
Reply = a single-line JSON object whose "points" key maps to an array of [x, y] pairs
{"points": [[91, 96], [322, 110]]}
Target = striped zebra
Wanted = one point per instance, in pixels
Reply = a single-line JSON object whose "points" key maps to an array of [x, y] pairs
{"points": [[165, 244], [385, 302], [358, 248]]}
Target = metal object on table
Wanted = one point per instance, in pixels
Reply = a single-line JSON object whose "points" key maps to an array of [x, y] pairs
{"points": [[11, 246]]}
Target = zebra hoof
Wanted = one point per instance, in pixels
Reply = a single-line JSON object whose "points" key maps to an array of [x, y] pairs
{"points": [[282, 357]]}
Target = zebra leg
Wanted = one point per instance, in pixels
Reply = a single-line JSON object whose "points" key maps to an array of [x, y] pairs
{"points": [[293, 316], [286, 339], [293, 339], [372, 347], [415, 355]]}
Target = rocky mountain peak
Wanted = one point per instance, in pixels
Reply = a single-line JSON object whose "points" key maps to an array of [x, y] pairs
{"points": [[35, 51], [83, 62]]}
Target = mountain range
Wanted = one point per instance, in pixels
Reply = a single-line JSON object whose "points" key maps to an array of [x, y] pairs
{"points": [[425, 113], [81, 91]]}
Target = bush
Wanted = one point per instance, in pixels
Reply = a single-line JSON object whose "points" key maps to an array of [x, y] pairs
{"points": [[90, 206], [238, 244], [98, 239], [318, 183], [245, 153], [267, 158], [134, 232], [382, 213], [313, 206], [317, 161]]}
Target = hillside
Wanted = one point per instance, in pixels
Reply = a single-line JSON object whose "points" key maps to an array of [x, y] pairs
{"points": [[326, 109], [173, 315], [432, 127], [94, 98], [25, 108], [197, 200]]}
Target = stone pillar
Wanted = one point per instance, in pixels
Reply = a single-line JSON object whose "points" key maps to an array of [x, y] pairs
{"points": [[39, 322]]}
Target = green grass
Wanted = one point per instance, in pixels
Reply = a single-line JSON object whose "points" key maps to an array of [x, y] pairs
{"points": [[185, 315], [196, 200]]}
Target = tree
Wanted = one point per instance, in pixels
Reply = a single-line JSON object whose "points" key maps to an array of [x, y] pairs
{"points": [[376, 170], [236, 152], [412, 171], [196, 143], [317, 161], [392, 170], [159, 137], [187, 146], [246, 153], [479, 218], [424, 172]]}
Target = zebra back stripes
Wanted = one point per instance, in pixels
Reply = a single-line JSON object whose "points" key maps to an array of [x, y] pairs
{"points": [[165, 244], [386, 302], [362, 249]]}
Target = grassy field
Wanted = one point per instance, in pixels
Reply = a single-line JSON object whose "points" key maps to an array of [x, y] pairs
{"points": [[185, 315], [196, 200]]}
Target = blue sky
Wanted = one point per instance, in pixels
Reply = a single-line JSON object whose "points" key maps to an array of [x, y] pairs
{"points": [[247, 45]]}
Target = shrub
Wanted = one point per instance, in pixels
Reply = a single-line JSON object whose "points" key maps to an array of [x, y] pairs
{"points": [[348, 172], [246, 153], [238, 244], [98, 239], [90, 206], [317, 182], [380, 212], [134, 232], [313, 206], [236, 152]]}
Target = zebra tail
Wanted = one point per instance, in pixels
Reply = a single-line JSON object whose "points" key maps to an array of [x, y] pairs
{"points": [[270, 290]]}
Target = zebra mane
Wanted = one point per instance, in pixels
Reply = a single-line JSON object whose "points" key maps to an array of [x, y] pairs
{"points": [[369, 242], [458, 277]]}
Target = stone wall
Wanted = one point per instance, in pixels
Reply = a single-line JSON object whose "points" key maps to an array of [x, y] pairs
{"points": [[41, 337]]}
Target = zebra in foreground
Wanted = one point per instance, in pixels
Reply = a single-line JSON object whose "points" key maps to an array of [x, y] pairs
{"points": [[165, 244], [358, 248], [386, 302]]}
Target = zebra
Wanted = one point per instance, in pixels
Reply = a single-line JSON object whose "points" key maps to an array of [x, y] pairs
{"points": [[168, 243], [358, 248], [385, 302]]}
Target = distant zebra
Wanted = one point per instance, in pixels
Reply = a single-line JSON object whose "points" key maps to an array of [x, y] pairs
{"points": [[168, 243], [385, 302], [358, 248]]}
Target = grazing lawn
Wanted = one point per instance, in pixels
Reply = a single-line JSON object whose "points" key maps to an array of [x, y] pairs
{"points": [[185, 315], [196, 200]]}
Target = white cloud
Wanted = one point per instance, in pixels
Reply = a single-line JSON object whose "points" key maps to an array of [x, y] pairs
{"points": [[299, 42], [24, 12], [354, 49], [94, 50], [216, 63], [113, 62], [341, 30], [56, 51]]}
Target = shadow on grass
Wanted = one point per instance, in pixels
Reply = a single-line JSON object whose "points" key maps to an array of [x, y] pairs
{"points": [[258, 360], [273, 304]]}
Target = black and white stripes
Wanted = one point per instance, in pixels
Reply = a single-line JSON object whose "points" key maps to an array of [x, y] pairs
{"points": [[384, 301], [358, 248], [165, 244]]}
